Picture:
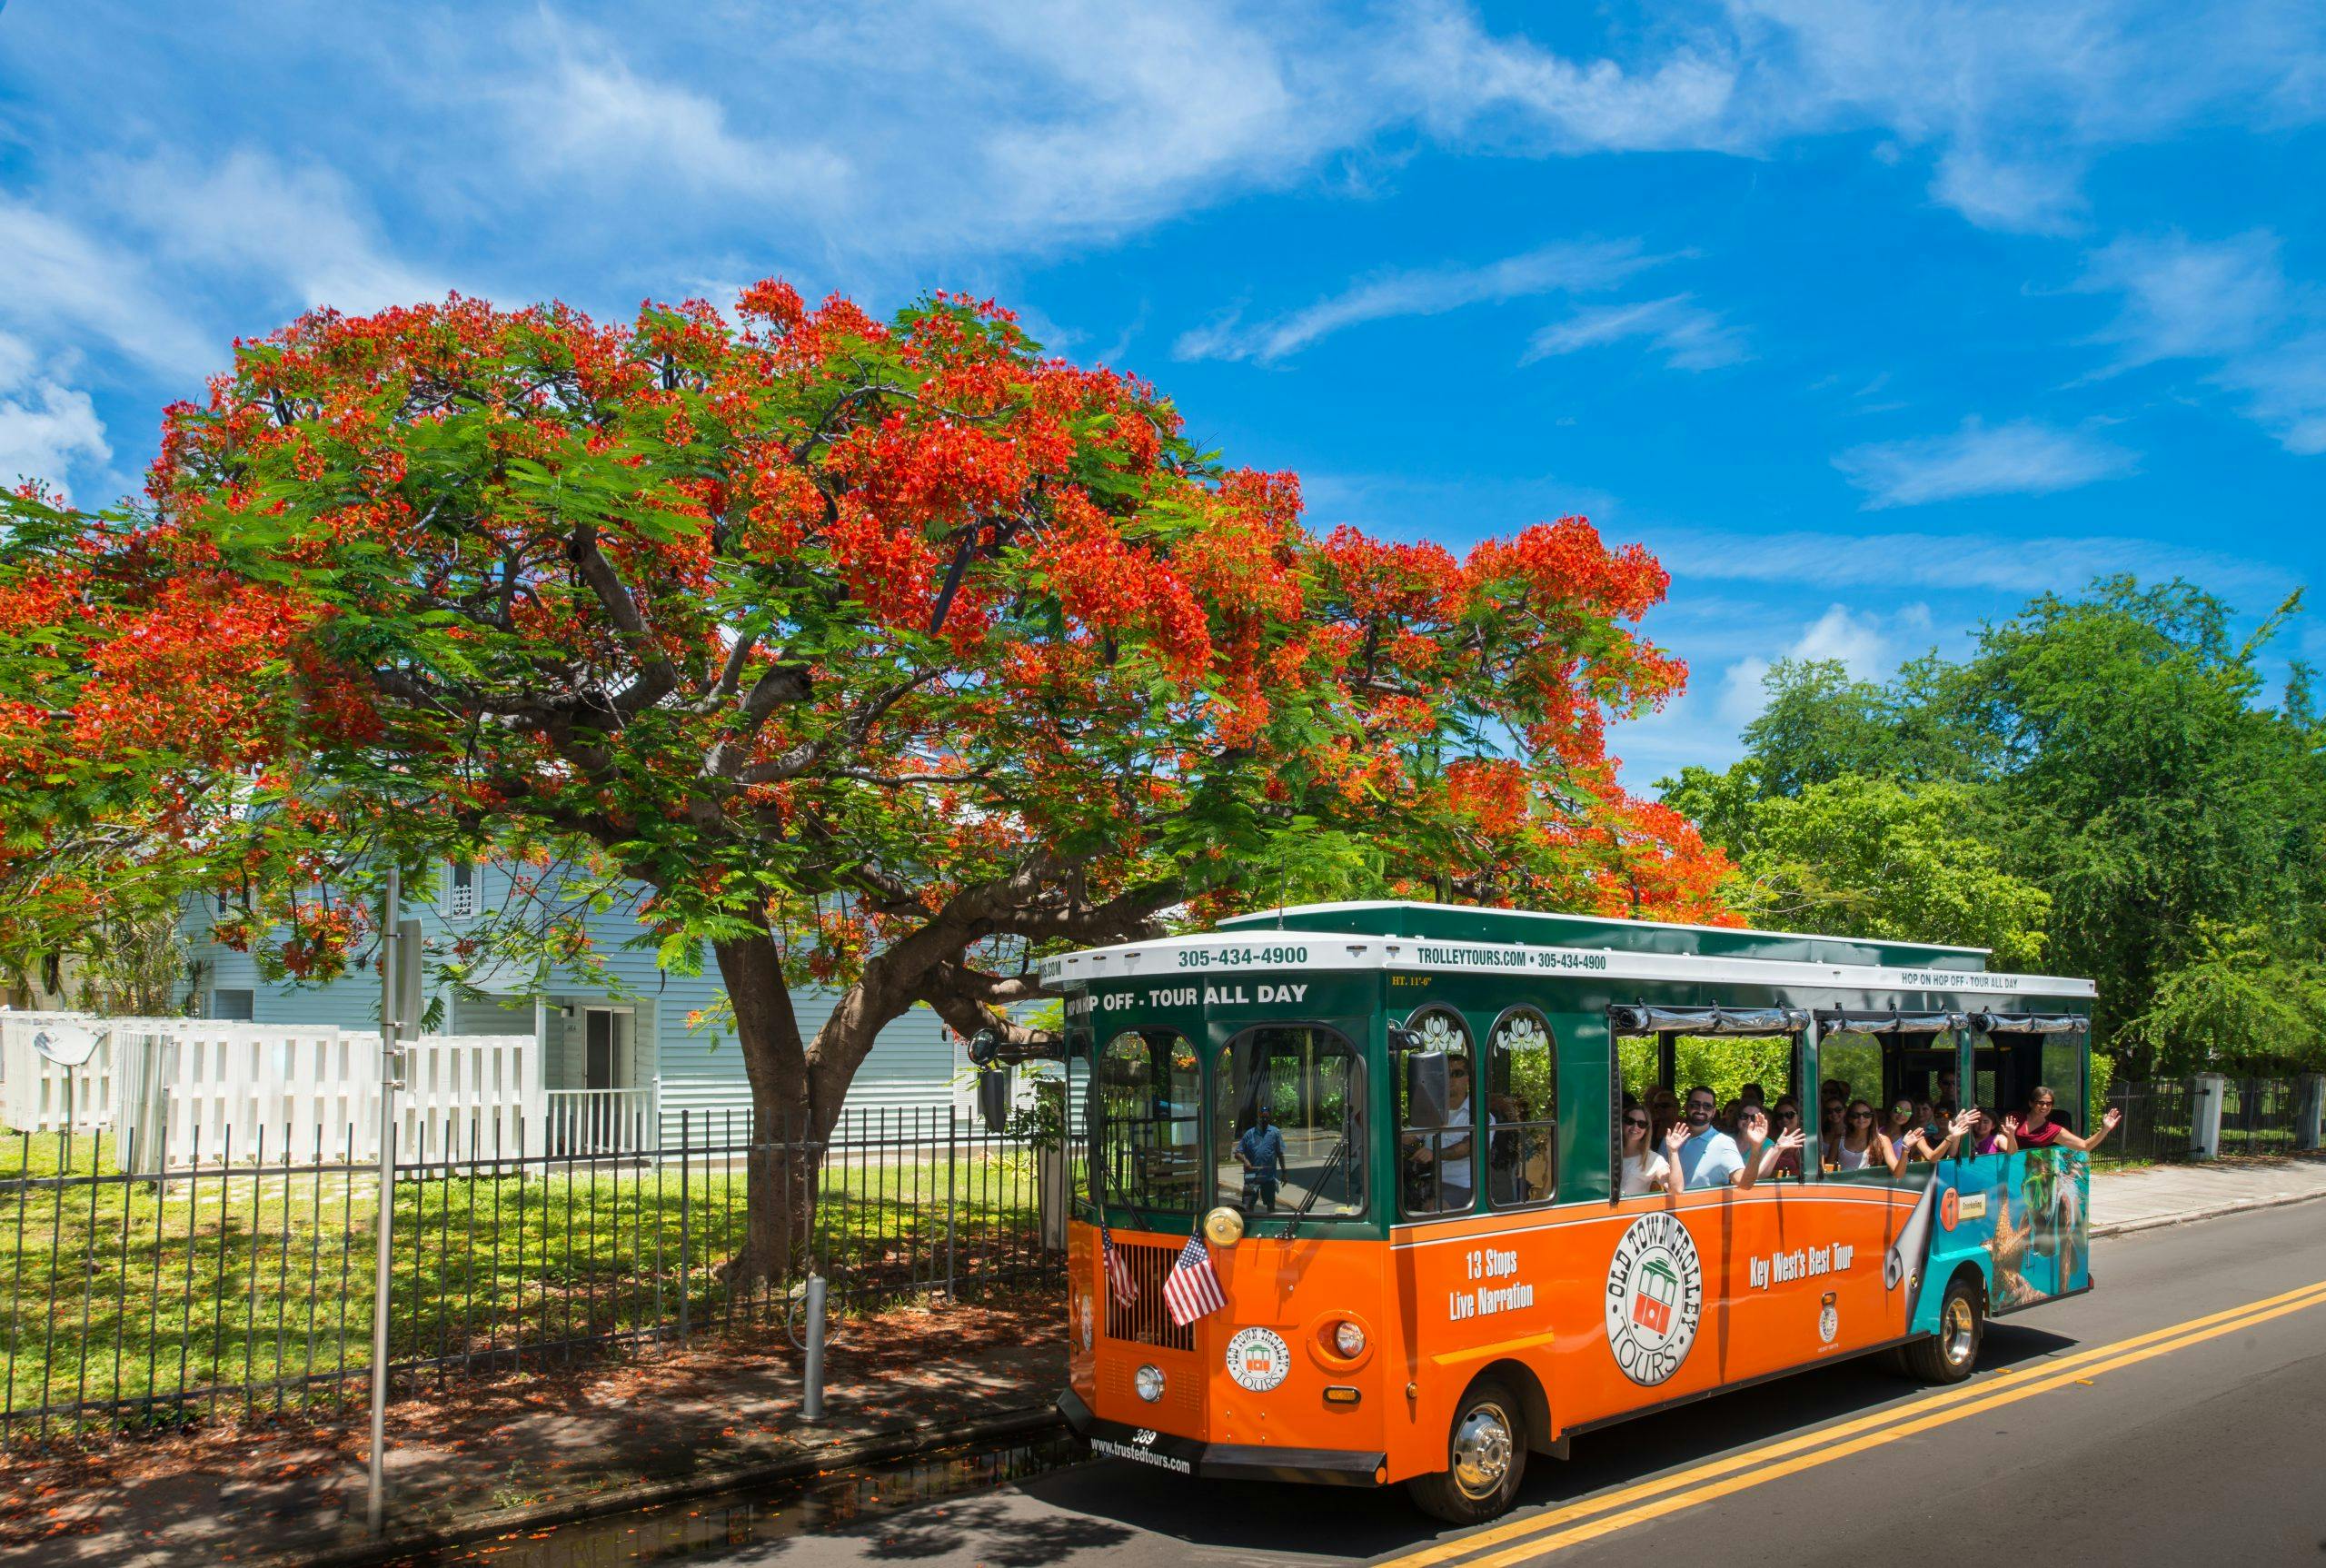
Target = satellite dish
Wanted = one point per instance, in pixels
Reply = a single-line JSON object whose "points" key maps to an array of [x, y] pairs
{"points": [[68, 1045]]}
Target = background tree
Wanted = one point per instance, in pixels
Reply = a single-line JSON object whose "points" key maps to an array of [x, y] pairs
{"points": [[885, 655], [2118, 753]]}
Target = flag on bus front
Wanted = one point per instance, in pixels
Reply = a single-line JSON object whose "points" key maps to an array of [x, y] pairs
{"points": [[1120, 1287], [1191, 1290]]}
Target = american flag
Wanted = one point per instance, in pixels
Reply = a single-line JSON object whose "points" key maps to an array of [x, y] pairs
{"points": [[1120, 1287], [1191, 1290]]}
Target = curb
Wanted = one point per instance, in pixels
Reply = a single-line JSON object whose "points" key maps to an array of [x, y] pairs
{"points": [[2186, 1216], [876, 1449]]}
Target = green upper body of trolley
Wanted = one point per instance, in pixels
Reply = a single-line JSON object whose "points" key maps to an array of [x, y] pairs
{"points": [[1365, 969]]}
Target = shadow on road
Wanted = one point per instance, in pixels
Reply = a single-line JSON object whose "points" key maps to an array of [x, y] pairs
{"points": [[1334, 1524]]}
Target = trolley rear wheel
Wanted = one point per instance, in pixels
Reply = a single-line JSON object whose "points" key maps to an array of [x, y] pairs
{"points": [[1485, 1456], [1950, 1355]]}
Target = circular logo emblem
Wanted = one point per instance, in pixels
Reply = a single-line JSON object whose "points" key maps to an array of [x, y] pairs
{"points": [[1258, 1359], [1829, 1322], [1656, 1293], [1086, 1323], [1949, 1210]]}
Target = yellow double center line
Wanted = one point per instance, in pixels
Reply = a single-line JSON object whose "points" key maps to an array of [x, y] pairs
{"points": [[1539, 1535]]}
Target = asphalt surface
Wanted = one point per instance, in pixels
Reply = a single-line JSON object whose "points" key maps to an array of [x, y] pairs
{"points": [[2072, 1445]]}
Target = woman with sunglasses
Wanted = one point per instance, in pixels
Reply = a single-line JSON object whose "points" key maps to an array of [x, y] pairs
{"points": [[2037, 1130], [1645, 1169], [1787, 1120], [1859, 1145]]}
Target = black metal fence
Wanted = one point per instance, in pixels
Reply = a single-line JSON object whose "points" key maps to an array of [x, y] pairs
{"points": [[2259, 1116], [2158, 1124], [243, 1277]]}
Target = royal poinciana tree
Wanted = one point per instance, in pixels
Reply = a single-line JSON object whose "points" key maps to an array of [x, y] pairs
{"points": [[884, 655]]}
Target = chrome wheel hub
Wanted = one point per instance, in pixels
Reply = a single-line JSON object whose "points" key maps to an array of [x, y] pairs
{"points": [[1482, 1451], [1959, 1334]]}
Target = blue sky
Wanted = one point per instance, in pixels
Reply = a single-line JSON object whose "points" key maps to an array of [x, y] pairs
{"points": [[1871, 320]]}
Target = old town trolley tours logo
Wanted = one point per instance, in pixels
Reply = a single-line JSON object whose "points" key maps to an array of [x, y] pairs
{"points": [[1656, 1293]]}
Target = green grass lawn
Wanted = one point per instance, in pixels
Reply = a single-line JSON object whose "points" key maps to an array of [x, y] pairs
{"points": [[254, 1287]]}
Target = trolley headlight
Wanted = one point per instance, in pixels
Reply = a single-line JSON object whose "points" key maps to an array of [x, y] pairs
{"points": [[1348, 1339], [1148, 1380], [1224, 1227]]}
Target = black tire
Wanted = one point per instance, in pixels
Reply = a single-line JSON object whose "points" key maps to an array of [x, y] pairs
{"points": [[1951, 1353], [1485, 1458]]}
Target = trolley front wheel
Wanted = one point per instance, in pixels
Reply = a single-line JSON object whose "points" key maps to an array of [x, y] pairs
{"points": [[1485, 1456]]}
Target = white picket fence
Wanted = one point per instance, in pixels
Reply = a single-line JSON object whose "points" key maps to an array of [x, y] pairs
{"points": [[188, 1089]]}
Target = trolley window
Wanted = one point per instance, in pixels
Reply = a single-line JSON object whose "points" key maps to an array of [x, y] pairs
{"points": [[1438, 1115], [1288, 1118], [1522, 1098], [1148, 1095]]}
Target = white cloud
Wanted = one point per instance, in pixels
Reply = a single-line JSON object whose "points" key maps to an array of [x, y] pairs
{"points": [[2229, 303], [1467, 82], [1862, 642], [2016, 99], [2025, 195], [590, 113], [46, 430], [2003, 564], [301, 229], [1572, 267], [59, 282], [2184, 299], [1690, 337], [2021, 458]]}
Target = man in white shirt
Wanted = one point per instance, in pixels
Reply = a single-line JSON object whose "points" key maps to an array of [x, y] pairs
{"points": [[1450, 1150]]}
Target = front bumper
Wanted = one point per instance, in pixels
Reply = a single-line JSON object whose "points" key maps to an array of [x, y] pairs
{"points": [[1220, 1461]]}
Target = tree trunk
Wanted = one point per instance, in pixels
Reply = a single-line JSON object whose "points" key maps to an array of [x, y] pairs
{"points": [[781, 1168]]}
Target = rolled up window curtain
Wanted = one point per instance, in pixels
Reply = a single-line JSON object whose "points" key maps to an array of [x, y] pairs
{"points": [[1638, 1018], [2030, 1022], [1890, 1023]]}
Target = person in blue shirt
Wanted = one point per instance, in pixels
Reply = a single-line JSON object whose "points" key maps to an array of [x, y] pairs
{"points": [[1708, 1157], [1261, 1148]]}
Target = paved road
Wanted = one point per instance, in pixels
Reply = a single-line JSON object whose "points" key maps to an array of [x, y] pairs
{"points": [[2204, 1446]]}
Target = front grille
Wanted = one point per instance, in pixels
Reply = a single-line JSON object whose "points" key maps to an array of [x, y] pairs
{"points": [[1144, 1319]]}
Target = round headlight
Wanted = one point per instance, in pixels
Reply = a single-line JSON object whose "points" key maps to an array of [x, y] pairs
{"points": [[1148, 1380], [1349, 1338], [1224, 1226]]}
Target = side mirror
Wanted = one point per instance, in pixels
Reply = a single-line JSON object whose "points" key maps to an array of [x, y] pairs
{"points": [[1427, 1092], [994, 1097]]}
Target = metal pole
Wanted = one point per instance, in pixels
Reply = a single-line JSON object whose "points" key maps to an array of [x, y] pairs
{"points": [[377, 1506], [812, 1398], [952, 1180]]}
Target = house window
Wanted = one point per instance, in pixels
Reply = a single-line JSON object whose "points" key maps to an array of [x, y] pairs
{"points": [[459, 890], [235, 1007]]}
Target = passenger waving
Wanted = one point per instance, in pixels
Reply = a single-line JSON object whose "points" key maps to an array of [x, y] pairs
{"points": [[2037, 1130]]}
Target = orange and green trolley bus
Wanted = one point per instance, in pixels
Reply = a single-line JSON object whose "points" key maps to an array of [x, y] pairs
{"points": [[1396, 1132]]}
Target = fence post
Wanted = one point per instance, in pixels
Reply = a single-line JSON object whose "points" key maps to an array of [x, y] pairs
{"points": [[685, 1174], [2309, 1111], [385, 1268], [2204, 1121], [952, 1181]]}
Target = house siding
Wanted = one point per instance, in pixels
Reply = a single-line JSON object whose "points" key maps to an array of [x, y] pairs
{"points": [[911, 1064]]}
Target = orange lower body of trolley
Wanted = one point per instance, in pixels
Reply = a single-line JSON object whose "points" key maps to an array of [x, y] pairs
{"points": [[1365, 1362]]}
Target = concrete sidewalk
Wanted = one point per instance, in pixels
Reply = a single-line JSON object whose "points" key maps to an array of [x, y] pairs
{"points": [[2143, 1198]]}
